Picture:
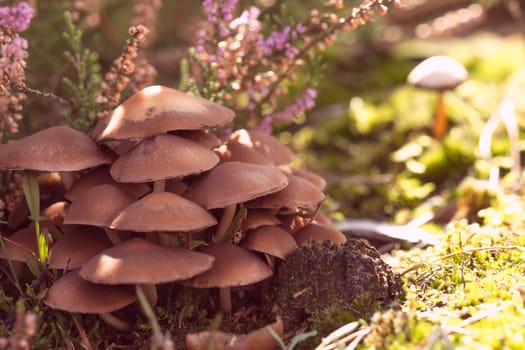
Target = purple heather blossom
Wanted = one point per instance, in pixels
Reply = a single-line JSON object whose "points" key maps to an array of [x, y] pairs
{"points": [[223, 30], [12, 58], [217, 10], [248, 18], [18, 17], [303, 103], [210, 9], [291, 51], [16, 49], [300, 28], [279, 41], [201, 33], [227, 9]]}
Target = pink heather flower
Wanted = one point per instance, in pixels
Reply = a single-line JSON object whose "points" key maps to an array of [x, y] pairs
{"points": [[201, 33], [303, 103], [248, 18], [227, 9], [217, 10], [16, 49], [278, 41], [210, 9], [223, 30], [291, 51], [12, 60], [17, 17], [300, 28]]}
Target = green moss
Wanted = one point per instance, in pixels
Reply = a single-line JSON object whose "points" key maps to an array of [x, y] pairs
{"points": [[464, 293]]}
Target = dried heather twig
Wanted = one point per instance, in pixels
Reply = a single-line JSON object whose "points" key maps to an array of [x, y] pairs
{"points": [[118, 77]]}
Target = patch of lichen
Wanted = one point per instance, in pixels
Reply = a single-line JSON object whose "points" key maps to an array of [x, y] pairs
{"points": [[323, 286]]}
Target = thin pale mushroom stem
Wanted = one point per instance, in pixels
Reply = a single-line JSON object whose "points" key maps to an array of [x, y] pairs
{"points": [[266, 284], [164, 238], [270, 259], [183, 238], [441, 121], [113, 236], [151, 293], [68, 179], [148, 311], [225, 299], [115, 322], [159, 186], [226, 219]]}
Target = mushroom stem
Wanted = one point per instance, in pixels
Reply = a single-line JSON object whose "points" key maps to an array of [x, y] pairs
{"points": [[115, 322], [226, 219], [151, 293], [68, 179], [266, 284], [441, 121], [113, 236], [148, 311], [270, 259], [159, 186], [225, 299], [164, 238]]}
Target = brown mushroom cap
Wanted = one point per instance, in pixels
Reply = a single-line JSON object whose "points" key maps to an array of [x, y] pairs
{"points": [[322, 218], [158, 109], [266, 144], [235, 182], [56, 212], [299, 193], [77, 245], [98, 206], [18, 215], [318, 232], [293, 222], [259, 217], [101, 176], [59, 148], [23, 242], [438, 73], [236, 151], [271, 240], [204, 137], [163, 157], [233, 267], [175, 186], [259, 339], [314, 178], [72, 293], [163, 211], [138, 261]]}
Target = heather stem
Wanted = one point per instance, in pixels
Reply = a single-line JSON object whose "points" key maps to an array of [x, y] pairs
{"points": [[360, 13]]}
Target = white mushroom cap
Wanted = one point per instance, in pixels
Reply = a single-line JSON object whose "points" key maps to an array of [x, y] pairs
{"points": [[438, 73]]}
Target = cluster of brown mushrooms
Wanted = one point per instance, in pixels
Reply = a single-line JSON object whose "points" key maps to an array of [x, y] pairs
{"points": [[158, 198]]}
